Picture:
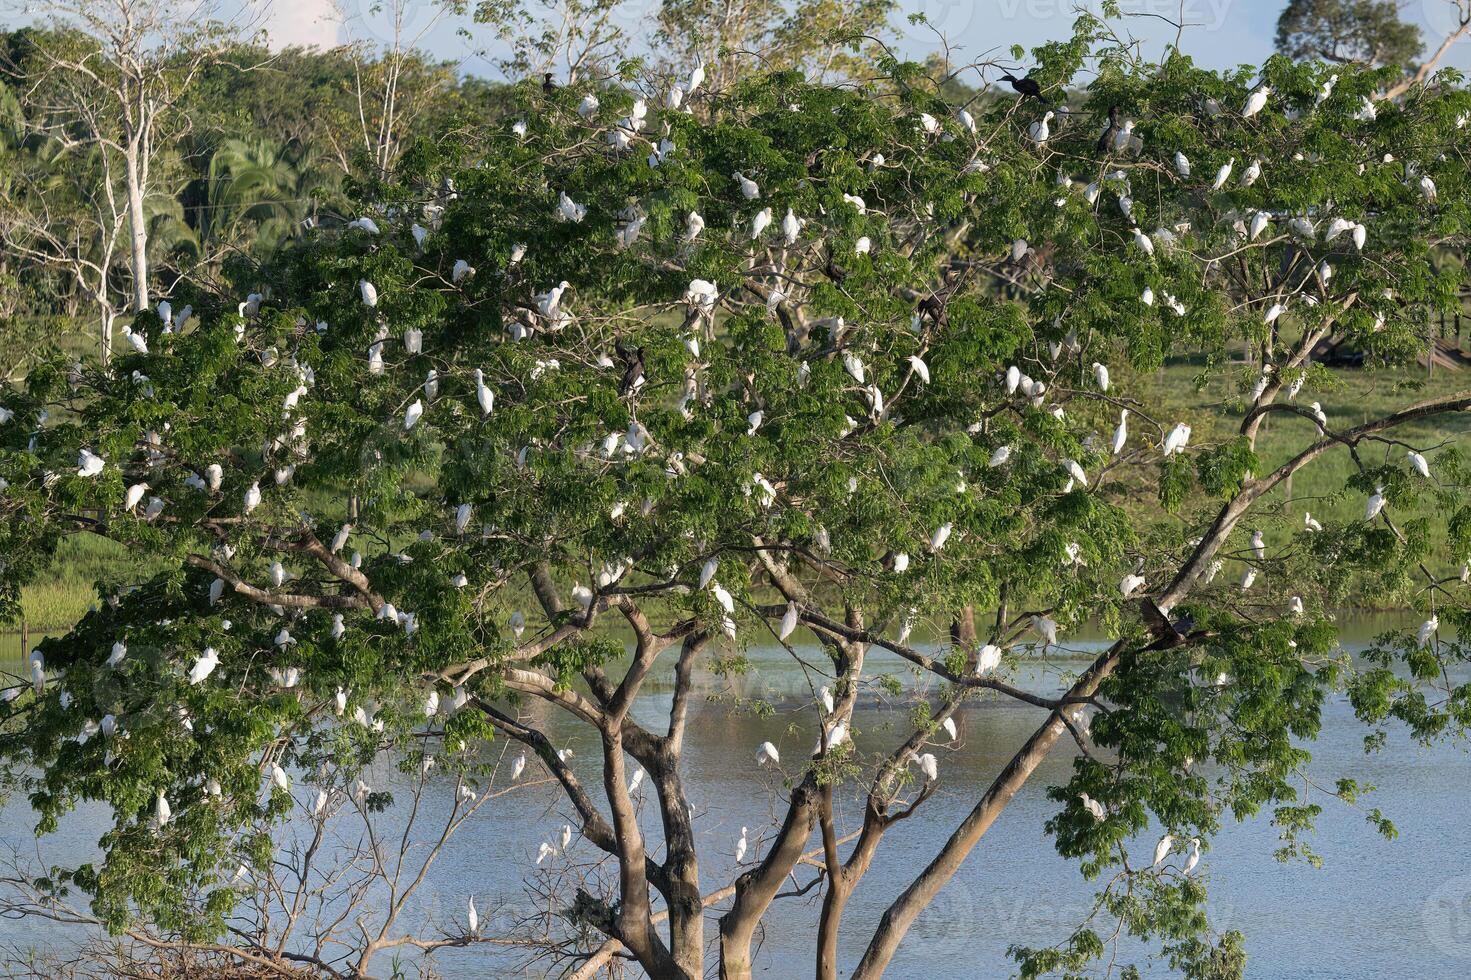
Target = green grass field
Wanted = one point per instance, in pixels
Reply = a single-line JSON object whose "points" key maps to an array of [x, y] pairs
{"points": [[1355, 396]]}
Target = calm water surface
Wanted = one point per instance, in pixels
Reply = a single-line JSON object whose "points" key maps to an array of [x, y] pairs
{"points": [[1376, 909]]}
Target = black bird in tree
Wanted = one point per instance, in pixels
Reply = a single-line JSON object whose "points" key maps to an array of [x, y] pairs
{"points": [[633, 367], [1105, 142], [547, 85], [1026, 87], [832, 270]]}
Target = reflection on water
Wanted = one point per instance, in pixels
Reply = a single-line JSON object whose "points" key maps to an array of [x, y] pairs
{"points": [[1378, 908]]}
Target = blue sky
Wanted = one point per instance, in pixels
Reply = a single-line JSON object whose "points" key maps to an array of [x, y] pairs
{"points": [[1224, 33]]}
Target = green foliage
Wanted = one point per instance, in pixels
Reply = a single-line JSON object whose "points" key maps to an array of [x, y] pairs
{"points": [[497, 547]]}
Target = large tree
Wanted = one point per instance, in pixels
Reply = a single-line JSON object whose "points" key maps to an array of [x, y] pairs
{"points": [[1364, 31], [597, 400]]}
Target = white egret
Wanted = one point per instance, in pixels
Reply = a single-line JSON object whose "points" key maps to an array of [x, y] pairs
{"points": [[638, 777], [999, 456], [949, 725], [484, 397], [162, 812], [740, 850], [204, 666], [790, 227], [216, 589], [1256, 101], [1259, 222], [518, 623], [702, 294], [1162, 849], [940, 536], [252, 497], [413, 414], [697, 77], [766, 752], [930, 766], [1319, 416], [1182, 164], [569, 210], [1419, 463], [1075, 471], [1194, 858], [989, 658], [1046, 628], [1130, 584], [89, 464], [825, 695], [1177, 439], [749, 188], [1273, 312], [1092, 806], [788, 621], [119, 651], [1013, 379], [1252, 172], [1145, 243], [214, 475], [137, 341], [693, 225], [753, 422], [1223, 174], [134, 495], [760, 223], [518, 767], [368, 292], [1310, 523], [1375, 504], [920, 368], [279, 778], [901, 562], [1100, 374], [1247, 578], [1295, 606], [1427, 630], [1259, 544], [1121, 434], [338, 628], [1040, 131]]}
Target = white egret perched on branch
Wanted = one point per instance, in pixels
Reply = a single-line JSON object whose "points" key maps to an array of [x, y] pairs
{"points": [[1162, 849], [1375, 504], [1419, 463], [89, 464]]}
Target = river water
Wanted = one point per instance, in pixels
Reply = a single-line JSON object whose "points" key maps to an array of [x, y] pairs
{"points": [[1376, 908]]}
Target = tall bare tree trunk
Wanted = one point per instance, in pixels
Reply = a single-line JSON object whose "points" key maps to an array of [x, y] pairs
{"points": [[138, 232]]}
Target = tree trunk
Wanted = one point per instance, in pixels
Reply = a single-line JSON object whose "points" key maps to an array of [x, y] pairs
{"points": [[104, 340], [138, 231], [682, 892], [755, 890]]}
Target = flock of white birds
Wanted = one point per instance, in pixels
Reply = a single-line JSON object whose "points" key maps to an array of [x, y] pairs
{"points": [[702, 298]]}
